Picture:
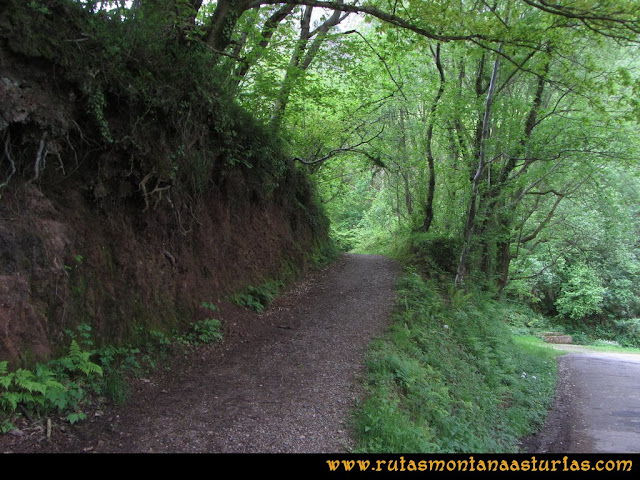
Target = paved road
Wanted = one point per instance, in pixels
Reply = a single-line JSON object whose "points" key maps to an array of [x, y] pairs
{"points": [[597, 409]]}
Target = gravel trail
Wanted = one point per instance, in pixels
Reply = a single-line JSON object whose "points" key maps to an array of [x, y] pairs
{"points": [[284, 381]]}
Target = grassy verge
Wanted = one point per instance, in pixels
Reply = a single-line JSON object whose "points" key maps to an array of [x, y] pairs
{"points": [[450, 377]]}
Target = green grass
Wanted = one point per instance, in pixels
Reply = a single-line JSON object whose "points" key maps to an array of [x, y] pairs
{"points": [[449, 376], [458, 371], [612, 348], [595, 347]]}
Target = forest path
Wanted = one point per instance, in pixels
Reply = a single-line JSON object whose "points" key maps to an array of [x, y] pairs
{"points": [[285, 380], [596, 409]]}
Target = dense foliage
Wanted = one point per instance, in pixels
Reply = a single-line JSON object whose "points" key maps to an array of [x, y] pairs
{"points": [[497, 139], [515, 150], [507, 127], [449, 377]]}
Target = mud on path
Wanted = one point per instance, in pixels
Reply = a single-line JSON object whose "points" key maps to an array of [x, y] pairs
{"points": [[282, 381]]}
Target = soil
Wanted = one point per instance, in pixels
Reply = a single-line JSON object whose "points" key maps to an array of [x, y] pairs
{"points": [[282, 381], [128, 215], [286, 381]]}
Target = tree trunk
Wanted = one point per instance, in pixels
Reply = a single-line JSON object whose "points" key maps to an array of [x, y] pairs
{"points": [[505, 220], [293, 71], [471, 212], [268, 30], [405, 156], [504, 262], [223, 23], [301, 58], [428, 214]]}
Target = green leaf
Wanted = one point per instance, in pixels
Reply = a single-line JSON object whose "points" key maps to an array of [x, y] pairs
{"points": [[76, 417]]}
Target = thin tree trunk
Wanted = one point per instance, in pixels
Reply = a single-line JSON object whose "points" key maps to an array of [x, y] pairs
{"points": [[293, 71], [407, 194], [405, 155], [505, 221], [301, 58], [268, 30], [428, 217], [471, 212]]}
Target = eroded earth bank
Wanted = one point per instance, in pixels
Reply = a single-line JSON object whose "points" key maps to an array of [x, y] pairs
{"points": [[282, 381]]}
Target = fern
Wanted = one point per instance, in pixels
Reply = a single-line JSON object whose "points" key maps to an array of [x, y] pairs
{"points": [[79, 360], [76, 416], [11, 400], [5, 378], [56, 386], [26, 380]]}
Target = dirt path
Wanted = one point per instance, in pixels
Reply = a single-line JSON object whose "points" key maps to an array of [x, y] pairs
{"points": [[597, 408], [282, 381]]}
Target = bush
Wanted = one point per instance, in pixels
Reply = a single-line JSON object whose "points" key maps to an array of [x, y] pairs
{"points": [[628, 332], [582, 294], [438, 252]]}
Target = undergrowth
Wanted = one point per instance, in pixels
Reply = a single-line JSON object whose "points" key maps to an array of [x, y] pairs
{"points": [[56, 387], [449, 377], [87, 376], [259, 297]]}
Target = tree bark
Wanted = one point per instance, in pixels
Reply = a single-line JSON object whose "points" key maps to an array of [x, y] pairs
{"points": [[428, 217], [471, 212], [223, 22]]}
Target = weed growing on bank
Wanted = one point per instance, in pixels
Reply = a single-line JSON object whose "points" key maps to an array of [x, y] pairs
{"points": [[449, 377], [86, 376], [259, 297]]}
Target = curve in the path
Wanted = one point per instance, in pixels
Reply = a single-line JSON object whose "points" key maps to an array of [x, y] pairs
{"points": [[597, 408], [290, 390]]}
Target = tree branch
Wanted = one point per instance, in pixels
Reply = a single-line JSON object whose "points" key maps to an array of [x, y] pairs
{"points": [[381, 59], [539, 228], [612, 24], [392, 19], [268, 29], [351, 148]]}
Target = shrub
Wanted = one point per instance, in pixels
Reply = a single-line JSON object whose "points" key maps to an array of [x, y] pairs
{"points": [[59, 386], [582, 294], [435, 251]]}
